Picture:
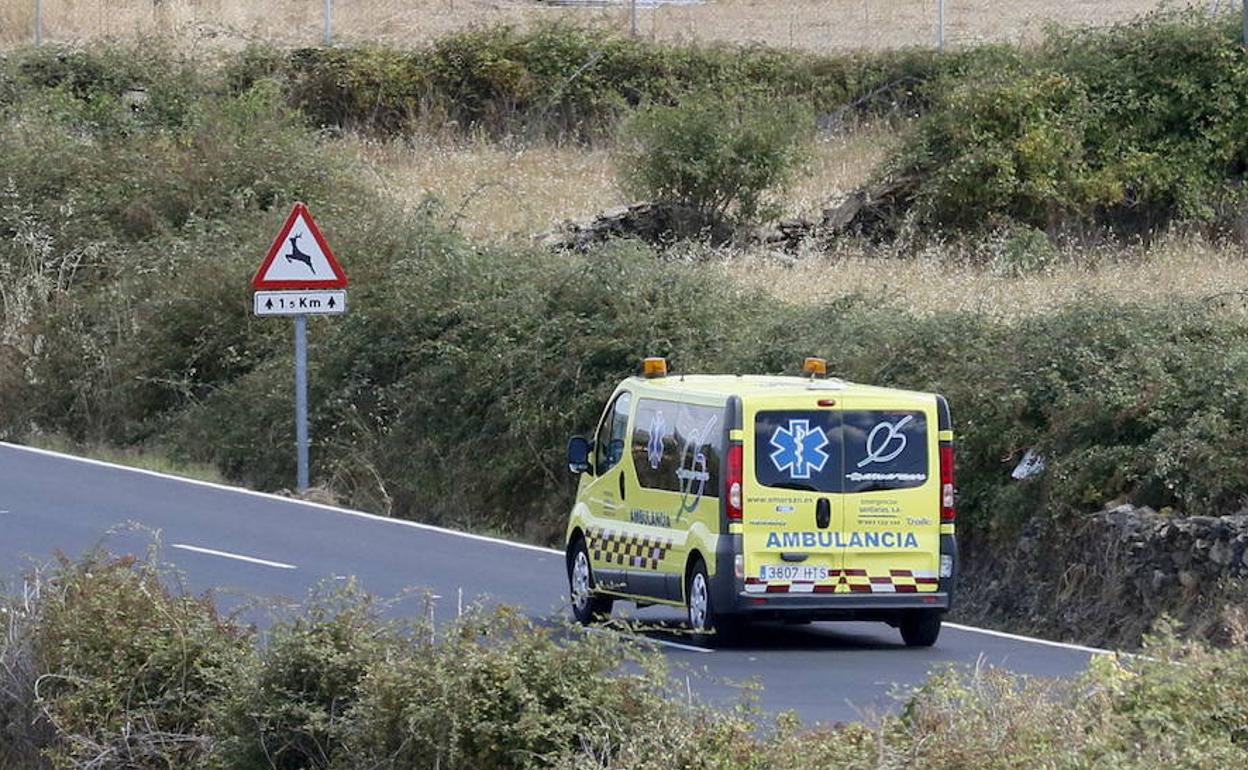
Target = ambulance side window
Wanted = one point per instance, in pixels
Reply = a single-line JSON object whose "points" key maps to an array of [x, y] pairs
{"points": [[677, 448], [612, 434]]}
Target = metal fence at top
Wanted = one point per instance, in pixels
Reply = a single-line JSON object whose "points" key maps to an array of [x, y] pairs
{"points": [[815, 25]]}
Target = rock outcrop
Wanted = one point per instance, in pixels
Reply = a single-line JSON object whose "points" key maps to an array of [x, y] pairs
{"points": [[869, 211], [1108, 578]]}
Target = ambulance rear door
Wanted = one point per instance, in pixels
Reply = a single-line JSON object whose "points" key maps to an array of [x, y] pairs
{"points": [[792, 512], [891, 483]]}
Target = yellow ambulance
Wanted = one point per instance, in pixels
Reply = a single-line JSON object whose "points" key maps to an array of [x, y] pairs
{"points": [[743, 498]]}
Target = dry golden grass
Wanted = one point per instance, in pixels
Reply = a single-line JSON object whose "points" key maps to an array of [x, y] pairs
{"points": [[818, 25], [498, 192], [493, 191], [841, 163], [1177, 267]]}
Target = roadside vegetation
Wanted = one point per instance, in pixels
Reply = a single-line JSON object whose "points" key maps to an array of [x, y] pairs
{"points": [[1090, 309], [133, 457], [106, 664]]}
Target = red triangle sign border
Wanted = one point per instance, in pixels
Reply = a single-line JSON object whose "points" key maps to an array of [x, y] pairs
{"points": [[339, 281]]}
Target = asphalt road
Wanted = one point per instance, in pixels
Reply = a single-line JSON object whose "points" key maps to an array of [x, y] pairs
{"points": [[246, 544]]}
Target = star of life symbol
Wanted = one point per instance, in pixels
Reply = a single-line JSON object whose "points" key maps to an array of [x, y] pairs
{"points": [[799, 450]]}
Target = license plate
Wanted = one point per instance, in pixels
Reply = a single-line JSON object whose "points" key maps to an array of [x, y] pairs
{"points": [[792, 572]]}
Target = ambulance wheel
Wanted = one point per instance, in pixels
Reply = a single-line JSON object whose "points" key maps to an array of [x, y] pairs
{"points": [[707, 626], [920, 628], [587, 606]]}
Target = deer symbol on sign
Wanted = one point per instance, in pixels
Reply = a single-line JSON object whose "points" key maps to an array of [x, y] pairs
{"points": [[296, 255]]}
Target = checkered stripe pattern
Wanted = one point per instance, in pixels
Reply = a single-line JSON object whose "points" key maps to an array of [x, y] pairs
{"points": [[845, 581], [628, 549]]}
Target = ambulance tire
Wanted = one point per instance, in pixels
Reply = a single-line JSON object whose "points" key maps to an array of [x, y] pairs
{"points": [[706, 625], [920, 628], [587, 607]]}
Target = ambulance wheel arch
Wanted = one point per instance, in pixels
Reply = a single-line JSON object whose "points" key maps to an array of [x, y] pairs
{"points": [[695, 558], [575, 535], [701, 545], [576, 524]]}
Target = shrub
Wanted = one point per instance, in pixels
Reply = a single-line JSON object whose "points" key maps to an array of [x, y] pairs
{"points": [[1124, 129], [717, 157], [497, 693], [289, 714], [104, 205], [336, 686], [567, 82], [123, 671]]}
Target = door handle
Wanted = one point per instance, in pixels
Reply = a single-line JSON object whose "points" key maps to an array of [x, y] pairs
{"points": [[823, 513], [621, 478]]}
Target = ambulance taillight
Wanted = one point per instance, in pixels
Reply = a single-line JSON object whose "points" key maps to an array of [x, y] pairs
{"points": [[947, 512], [734, 482]]}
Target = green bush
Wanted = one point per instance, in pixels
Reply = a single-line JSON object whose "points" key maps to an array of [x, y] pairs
{"points": [[718, 157], [1126, 129], [336, 686], [570, 82], [105, 205], [124, 673], [289, 714]]}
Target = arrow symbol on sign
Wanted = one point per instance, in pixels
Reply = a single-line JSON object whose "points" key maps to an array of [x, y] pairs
{"points": [[331, 302], [269, 305]]}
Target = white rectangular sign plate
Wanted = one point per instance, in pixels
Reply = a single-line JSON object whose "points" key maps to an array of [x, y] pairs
{"points": [[305, 302]]}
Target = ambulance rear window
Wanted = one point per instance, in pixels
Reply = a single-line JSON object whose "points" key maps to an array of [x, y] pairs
{"points": [[884, 450], [798, 449], [830, 451]]}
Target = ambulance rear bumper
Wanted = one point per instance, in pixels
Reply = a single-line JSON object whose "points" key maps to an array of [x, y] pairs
{"points": [[807, 606]]}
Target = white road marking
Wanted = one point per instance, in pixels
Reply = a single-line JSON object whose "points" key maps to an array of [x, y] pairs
{"points": [[228, 555], [1031, 639], [665, 643], [647, 639], [456, 533]]}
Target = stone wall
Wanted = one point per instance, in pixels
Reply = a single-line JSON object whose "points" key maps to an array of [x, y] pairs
{"points": [[1108, 578]]}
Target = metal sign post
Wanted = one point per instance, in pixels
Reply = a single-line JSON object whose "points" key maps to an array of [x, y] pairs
{"points": [[329, 21], [300, 277], [940, 24], [301, 403], [38, 22]]}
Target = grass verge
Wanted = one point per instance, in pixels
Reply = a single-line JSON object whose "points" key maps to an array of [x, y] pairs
{"points": [[131, 457]]}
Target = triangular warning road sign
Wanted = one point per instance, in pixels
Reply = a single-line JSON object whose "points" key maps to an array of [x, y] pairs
{"points": [[299, 258]]}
